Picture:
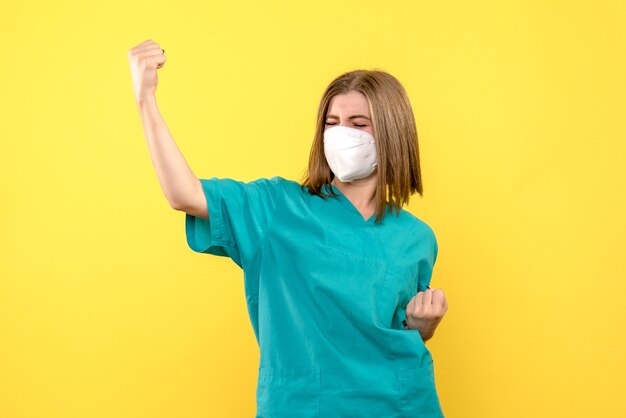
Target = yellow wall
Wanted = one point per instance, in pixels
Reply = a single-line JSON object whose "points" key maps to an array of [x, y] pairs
{"points": [[520, 107]]}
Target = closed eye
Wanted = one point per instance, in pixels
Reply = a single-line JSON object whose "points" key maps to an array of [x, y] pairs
{"points": [[360, 126]]}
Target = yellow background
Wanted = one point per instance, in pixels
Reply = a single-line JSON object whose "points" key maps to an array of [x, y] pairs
{"points": [[520, 108]]}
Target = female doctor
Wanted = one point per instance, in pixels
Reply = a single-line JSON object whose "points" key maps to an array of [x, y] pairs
{"points": [[336, 273]]}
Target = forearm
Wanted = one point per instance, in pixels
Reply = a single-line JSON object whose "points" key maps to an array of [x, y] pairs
{"points": [[176, 178]]}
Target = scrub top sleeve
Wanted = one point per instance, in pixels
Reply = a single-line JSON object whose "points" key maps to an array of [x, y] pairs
{"points": [[427, 264], [240, 213]]}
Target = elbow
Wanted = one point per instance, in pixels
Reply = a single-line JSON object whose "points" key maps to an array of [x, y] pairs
{"points": [[176, 205]]}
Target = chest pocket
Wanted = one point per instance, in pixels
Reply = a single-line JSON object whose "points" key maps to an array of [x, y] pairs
{"points": [[286, 392], [391, 283], [349, 281]]}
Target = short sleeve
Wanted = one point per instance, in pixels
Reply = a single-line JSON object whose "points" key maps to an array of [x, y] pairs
{"points": [[427, 262], [240, 213]]}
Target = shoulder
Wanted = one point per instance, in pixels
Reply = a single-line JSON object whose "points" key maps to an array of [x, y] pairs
{"points": [[290, 186], [283, 182], [420, 238], [274, 184], [259, 188], [414, 226], [418, 226], [280, 186]]}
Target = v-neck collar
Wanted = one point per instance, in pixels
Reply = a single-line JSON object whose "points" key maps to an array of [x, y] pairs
{"points": [[345, 202]]}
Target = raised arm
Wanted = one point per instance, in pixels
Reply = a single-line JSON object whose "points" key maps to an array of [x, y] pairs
{"points": [[180, 185]]}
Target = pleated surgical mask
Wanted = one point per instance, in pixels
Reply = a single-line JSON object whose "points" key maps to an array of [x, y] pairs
{"points": [[350, 152]]}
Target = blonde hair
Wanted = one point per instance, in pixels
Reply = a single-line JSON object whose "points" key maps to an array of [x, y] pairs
{"points": [[393, 124]]}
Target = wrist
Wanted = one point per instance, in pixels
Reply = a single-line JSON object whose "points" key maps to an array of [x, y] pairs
{"points": [[426, 336], [145, 98]]}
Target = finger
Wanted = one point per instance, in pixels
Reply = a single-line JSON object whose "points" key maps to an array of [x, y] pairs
{"points": [[145, 44], [154, 60], [418, 306], [428, 297], [141, 45], [152, 50], [419, 298], [438, 297]]}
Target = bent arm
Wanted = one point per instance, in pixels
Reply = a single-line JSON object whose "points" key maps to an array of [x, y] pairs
{"points": [[180, 185]]}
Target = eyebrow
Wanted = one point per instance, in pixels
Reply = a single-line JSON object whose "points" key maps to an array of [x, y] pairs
{"points": [[351, 117]]}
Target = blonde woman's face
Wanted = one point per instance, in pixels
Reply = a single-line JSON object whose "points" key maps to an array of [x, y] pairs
{"points": [[349, 109]]}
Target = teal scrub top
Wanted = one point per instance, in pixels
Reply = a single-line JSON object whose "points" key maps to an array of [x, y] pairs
{"points": [[326, 292]]}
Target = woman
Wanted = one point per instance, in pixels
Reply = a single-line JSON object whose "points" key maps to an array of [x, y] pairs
{"points": [[336, 273]]}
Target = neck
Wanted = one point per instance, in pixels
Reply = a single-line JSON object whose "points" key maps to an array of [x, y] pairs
{"points": [[361, 192]]}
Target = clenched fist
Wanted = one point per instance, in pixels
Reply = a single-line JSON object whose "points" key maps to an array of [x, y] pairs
{"points": [[425, 310], [145, 59]]}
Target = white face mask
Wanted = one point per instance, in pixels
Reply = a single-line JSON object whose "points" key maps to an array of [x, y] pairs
{"points": [[350, 152]]}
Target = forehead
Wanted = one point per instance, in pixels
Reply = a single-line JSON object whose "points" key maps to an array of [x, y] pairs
{"points": [[349, 104]]}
